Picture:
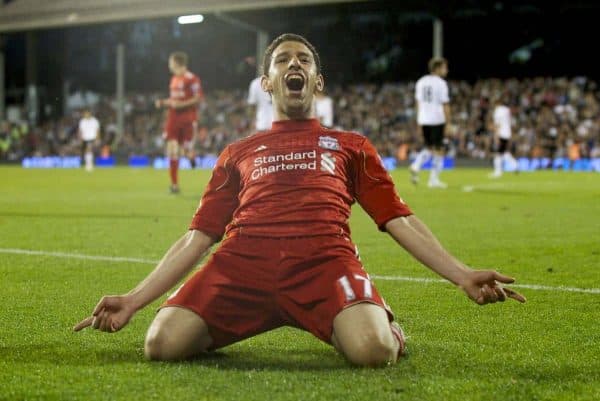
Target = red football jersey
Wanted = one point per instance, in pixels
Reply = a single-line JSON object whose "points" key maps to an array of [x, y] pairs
{"points": [[297, 179], [184, 87]]}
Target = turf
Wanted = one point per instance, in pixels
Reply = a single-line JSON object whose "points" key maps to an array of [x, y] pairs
{"points": [[543, 228]]}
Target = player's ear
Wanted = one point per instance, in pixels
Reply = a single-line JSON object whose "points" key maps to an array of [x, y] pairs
{"points": [[320, 83], [265, 84]]}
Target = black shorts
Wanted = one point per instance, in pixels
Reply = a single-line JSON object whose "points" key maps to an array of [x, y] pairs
{"points": [[433, 135], [502, 145], [84, 144]]}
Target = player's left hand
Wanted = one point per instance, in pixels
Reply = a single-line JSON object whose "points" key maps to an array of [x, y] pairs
{"points": [[111, 314], [485, 286]]}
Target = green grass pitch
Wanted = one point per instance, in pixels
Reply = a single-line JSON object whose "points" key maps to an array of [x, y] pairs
{"points": [[543, 228]]}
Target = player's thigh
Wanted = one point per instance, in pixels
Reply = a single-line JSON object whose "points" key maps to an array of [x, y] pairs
{"points": [[188, 136], [427, 135], [436, 137], [176, 333], [503, 145], [362, 327], [323, 285], [172, 147], [233, 292]]}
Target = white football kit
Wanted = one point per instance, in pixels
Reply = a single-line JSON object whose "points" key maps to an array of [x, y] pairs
{"points": [[264, 106], [431, 93]]}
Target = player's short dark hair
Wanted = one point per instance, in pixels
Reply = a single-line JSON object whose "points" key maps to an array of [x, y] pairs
{"points": [[289, 37], [436, 63], [181, 58]]}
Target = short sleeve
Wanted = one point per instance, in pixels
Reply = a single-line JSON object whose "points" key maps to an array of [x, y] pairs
{"points": [[196, 87], [252, 98], [374, 188], [220, 199], [444, 95], [418, 94]]}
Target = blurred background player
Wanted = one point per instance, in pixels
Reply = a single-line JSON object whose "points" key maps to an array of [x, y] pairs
{"points": [[260, 105], [185, 94], [501, 125], [89, 132], [433, 112], [324, 109]]}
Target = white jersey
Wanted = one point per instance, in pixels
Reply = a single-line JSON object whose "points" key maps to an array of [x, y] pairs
{"points": [[264, 106], [431, 93], [502, 121], [324, 110], [89, 128]]}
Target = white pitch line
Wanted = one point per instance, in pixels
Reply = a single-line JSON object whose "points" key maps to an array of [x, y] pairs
{"points": [[527, 286], [76, 256], [377, 277]]}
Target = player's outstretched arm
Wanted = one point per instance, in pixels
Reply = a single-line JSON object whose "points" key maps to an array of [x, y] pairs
{"points": [[482, 286], [113, 312]]}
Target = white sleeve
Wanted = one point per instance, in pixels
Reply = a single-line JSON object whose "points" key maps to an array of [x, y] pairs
{"points": [[444, 95], [252, 98], [418, 92]]}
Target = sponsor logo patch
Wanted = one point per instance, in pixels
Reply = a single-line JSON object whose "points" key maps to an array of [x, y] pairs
{"points": [[327, 142]]}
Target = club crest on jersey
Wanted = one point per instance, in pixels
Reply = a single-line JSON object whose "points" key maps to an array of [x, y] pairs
{"points": [[327, 142]]}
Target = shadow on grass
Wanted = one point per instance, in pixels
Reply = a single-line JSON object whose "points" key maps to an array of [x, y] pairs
{"points": [[274, 360], [235, 359], [65, 354]]}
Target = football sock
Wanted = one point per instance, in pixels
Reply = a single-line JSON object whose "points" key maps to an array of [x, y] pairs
{"points": [[421, 158], [508, 158], [436, 168], [497, 165], [173, 167], [89, 160]]}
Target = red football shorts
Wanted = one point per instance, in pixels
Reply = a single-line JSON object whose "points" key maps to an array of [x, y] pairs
{"points": [[180, 130], [251, 285]]}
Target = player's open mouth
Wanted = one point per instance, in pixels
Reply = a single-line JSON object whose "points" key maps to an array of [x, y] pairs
{"points": [[294, 82]]}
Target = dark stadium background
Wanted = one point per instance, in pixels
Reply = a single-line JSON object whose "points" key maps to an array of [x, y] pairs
{"points": [[480, 37]]}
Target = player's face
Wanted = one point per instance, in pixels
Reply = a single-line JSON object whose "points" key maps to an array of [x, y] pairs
{"points": [[173, 66], [444, 70], [292, 79]]}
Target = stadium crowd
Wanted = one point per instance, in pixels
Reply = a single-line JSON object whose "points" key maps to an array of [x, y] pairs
{"points": [[552, 117]]}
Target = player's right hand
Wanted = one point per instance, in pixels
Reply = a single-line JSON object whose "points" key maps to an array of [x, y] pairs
{"points": [[111, 314], [487, 286], [158, 103]]}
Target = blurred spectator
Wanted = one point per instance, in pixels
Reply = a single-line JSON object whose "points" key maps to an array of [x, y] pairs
{"points": [[260, 106], [549, 115], [324, 109]]}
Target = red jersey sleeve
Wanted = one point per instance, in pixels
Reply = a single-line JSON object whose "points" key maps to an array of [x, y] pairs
{"points": [[195, 87], [374, 189], [220, 199]]}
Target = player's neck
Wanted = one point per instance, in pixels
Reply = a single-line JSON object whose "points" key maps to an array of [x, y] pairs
{"points": [[180, 72], [280, 115]]}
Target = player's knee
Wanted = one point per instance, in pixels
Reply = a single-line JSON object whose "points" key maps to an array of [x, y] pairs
{"points": [[372, 349], [160, 346]]}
